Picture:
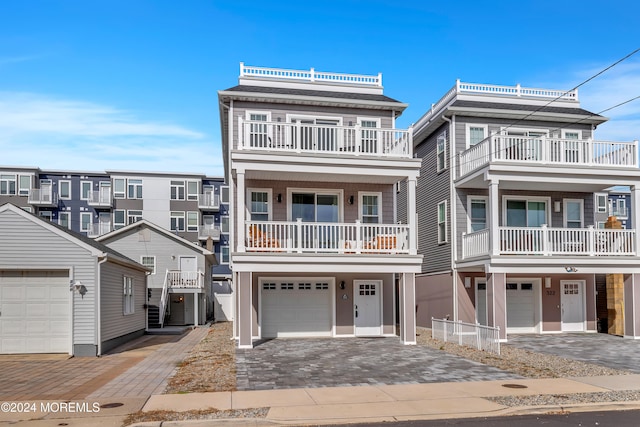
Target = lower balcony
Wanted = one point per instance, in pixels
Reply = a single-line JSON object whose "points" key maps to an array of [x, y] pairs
{"points": [[208, 230], [177, 279], [97, 230], [551, 241], [314, 237]]}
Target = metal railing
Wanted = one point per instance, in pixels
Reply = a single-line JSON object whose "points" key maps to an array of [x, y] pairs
{"points": [[99, 228], [209, 200], [164, 299], [486, 338], [209, 230], [42, 197]]}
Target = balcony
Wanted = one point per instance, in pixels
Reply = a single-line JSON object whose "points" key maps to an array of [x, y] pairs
{"points": [[297, 138], [209, 230], [547, 151], [43, 197], [97, 230], [100, 198], [177, 279], [621, 212], [209, 201], [551, 241], [314, 237]]}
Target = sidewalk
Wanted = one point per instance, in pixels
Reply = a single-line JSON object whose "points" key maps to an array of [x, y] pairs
{"points": [[392, 402]]}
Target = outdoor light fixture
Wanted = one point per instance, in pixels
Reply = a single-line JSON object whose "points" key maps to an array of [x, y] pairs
{"points": [[556, 206], [571, 269], [279, 197], [547, 282], [351, 200], [342, 285], [76, 286]]}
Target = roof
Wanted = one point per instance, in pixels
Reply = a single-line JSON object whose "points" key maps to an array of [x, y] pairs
{"points": [[315, 93], [524, 107]]}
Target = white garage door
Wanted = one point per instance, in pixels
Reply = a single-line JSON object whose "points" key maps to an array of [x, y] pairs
{"points": [[521, 307], [34, 312], [296, 308]]}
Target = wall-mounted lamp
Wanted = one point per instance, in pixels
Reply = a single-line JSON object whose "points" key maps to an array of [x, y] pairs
{"points": [[571, 269], [76, 286], [467, 282], [342, 285], [351, 199], [547, 282], [279, 198], [556, 206]]}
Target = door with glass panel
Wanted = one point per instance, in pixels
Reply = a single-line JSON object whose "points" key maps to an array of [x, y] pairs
{"points": [[524, 219], [315, 134], [318, 212]]}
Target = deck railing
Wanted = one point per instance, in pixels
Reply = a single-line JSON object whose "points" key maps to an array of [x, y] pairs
{"points": [[99, 198], [209, 200], [42, 197], [311, 76], [99, 228], [475, 244], [478, 336], [209, 230], [185, 279], [318, 138]]}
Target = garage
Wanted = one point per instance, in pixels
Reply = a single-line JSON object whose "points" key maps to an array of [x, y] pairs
{"points": [[296, 307], [522, 306], [34, 312]]}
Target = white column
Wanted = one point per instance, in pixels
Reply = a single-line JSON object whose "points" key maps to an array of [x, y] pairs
{"points": [[635, 216], [196, 302], [240, 211], [493, 217], [412, 219]]}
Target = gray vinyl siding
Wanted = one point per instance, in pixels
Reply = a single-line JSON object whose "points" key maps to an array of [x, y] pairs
{"points": [[114, 323], [25, 244], [433, 188], [401, 203]]}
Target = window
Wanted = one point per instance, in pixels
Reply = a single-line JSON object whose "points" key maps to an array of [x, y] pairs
{"points": [[46, 215], [134, 189], [27, 209], [119, 219], [477, 213], [259, 205], [192, 221], [7, 184], [224, 255], [177, 221], [85, 221], [369, 135], [192, 190], [573, 213], [442, 222], [572, 134], [149, 262], [85, 190], [177, 190], [64, 219], [119, 188], [258, 135], [134, 216], [64, 189], [619, 208], [476, 134], [526, 213], [128, 304], [224, 194], [24, 185], [601, 203], [224, 224], [441, 151], [370, 210]]}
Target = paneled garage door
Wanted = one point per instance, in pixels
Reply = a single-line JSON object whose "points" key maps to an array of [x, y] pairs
{"points": [[521, 307], [35, 316], [296, 308]]}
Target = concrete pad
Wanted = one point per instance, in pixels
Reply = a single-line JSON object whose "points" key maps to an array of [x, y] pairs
{"points": [[425, 391], [270, 398], [533, 387], [188, 402], [617, 382], [115, 421], [330, 395]]}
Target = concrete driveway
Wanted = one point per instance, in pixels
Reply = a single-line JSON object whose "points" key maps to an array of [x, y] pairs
{"points": [[325, 362], [600, 349]]}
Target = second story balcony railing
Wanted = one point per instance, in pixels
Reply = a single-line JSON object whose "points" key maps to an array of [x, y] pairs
{"points": [[99, 198], [43, 197], [544, 150], [316, 237], [324, 138], [619, 211], [209, 201], [98, 229], [209, 230]]}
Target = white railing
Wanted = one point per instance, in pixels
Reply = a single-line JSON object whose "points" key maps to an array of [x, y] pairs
{"points": [[475, 244], [209, 230], [312, 138], [486, 338], [311, 76], [185, 279], [162, 309], [42, 197], [98, 229], [544, 150], [209, 200], [316, 237], [99, 198]]}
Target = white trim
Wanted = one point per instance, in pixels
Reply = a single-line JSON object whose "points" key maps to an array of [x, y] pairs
{"points": [[522, 130], [605, 208], [470, 198], [377, 120], [442, 135], [177, 183], [248, 113], [171, 216], [316, 192], [248, 192], [564, 132], [360, 204], [565, 202], [467, 133], [295, 116], [446, 227], [583, 291], [527, 199], [85, 214], [64, 181], [90, 189], [153, 272], [380, 284], [123, 193]]}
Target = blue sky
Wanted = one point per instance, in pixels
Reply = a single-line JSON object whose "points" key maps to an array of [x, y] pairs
{"points": [[132, 84]]}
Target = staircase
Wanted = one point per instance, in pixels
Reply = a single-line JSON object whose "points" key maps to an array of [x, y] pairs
{"points": [[153, 314]]}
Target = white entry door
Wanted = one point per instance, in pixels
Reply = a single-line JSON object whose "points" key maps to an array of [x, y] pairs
{"points": [[188, 264], [573, 302], [367, 300]]}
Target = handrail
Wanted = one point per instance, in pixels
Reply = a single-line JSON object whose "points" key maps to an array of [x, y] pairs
{"points": [[164, 299]]}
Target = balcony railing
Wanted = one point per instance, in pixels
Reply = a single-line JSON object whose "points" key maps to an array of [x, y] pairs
{"points": [[310, 76], [208, 230], [316, 237], [185, 279], [99, 198], [619, 211], [97, 230], [543, 150], [552, 241], [209, 201], [323, 139], [43, 197]]}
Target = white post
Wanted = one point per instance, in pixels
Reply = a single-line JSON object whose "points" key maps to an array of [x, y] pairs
{"points": [[494, 227], [195, 308], [299, 234], [359, 242], [545, 240], [635, 221], [592, 240], [412, 218], [358, 139], [240, 212]]}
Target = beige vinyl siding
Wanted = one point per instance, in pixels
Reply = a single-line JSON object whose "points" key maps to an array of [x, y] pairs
{"points": [[113, 322]]}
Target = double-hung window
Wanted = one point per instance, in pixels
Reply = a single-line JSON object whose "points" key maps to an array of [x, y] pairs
{"points": [[134, 216], [224, 255], [149, 262], [85, 190], [602, 202], [573, 213], [24, 185], [192, 221], [370, 209], [64, 219], [85, 221], [119, 185], [192, 190], [128, 302], [476, 134], [64, 190], [477, 213], [260, 204], [441, 152], [442, 222]]}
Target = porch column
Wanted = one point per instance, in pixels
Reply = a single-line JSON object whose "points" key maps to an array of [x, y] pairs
{"points": [[240, 211], [196, 301], [411, 216], [493, 218], [407, 308], [632, 306], [244, 316], [497, 302], [635, 216]]}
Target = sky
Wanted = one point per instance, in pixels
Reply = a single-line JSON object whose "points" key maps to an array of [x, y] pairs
{"points": [[132, 84]]}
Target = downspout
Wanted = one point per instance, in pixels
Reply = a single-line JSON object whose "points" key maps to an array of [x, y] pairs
{"points": [[98, 310], [452, 210]]}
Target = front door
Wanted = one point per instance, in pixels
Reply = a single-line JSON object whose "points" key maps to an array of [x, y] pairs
{"points": [[188, 264], [572, 300], [367, 307]]}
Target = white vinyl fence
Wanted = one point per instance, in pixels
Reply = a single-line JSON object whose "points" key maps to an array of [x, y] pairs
{"points": [[485, 338]]}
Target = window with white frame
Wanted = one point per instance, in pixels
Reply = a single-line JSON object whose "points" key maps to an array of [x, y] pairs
{"points": [[85, 189], [369, 134], [24, 185], [602, 203], [442, 222], [134, 189], [441, 151], [64, 189], [119, 190], [573, 213], [134, 216], [370, 208], [476, 133], [177, 190], [224, 255], [128, 302], [259, 204], [619, 208], [192, 190], [64, 219], [119, 219], [177, 221], [149, 262], [224, 224], [192, 221], [224, 194], [86, 219], [477, 209], [7, 185], [258, 133], [571, 134], [27, 209], [528, 212]]}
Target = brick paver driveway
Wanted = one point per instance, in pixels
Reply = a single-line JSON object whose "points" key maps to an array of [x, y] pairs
{"points": [[293, 363]]}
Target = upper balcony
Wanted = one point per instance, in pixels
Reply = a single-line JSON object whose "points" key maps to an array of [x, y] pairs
{"points": [[100, 198], [43, 197], [303, 138], [556, 152], [98, 229], [209, 201], [177, 279]]}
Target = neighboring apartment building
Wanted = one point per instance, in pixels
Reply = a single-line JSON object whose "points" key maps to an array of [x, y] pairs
{"points": [[507, 198], [615, 202], [313, 160]]}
